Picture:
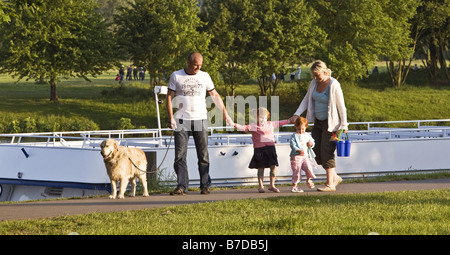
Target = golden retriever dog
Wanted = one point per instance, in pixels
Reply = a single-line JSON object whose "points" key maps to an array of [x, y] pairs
{"points": [[124, 164]]}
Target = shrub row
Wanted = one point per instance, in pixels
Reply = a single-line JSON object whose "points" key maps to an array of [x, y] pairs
{"points": [[50, 124], [58, 124]]}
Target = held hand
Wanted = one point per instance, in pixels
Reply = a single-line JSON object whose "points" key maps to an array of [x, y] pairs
{"points": [[309, 144], [293, 118], [302, 153]]}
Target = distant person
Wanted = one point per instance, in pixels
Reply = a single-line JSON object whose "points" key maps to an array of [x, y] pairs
{"points": [[186, 92], [142, 73], [129, 72], [375, 70], [324, 101], [135, 73], [301, 152], [415, 68], [264, 152], [121, 73], [299, 72]]}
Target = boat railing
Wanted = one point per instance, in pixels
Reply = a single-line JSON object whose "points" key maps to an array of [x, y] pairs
{"points": [[221, 136]]}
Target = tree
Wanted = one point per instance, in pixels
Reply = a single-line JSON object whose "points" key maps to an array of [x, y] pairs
{"points": [[432, 33], [47, 39], [261, 37], [399, 46], [360, 30], [159, 34], [229, 23]]}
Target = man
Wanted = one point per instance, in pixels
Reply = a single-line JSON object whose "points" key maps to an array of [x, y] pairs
{"points": [[186, 92]]}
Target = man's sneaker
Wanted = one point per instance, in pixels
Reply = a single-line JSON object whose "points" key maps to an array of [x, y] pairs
{"points": [[205, 191], [178, 191]]}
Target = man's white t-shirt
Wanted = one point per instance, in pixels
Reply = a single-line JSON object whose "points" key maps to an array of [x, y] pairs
{"points": [[190, 94]]}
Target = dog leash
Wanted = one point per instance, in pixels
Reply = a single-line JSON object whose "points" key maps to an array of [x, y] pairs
{"points": [[156, 170]]}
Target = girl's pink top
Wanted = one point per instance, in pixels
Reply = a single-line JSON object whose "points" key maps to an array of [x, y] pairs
{"points": [[262, 135]]}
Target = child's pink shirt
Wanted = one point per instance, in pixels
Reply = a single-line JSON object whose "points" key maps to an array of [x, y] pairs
{"points": [[262, 135]]}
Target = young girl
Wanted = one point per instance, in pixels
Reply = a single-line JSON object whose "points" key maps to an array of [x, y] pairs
{"points": [[301, 144], [264, 153]]}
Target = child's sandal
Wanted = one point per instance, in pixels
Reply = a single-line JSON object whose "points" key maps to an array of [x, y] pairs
{"points": [[296, 190], [311, 184]]}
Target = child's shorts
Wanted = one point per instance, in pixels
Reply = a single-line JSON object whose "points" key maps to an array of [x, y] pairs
{"points": [[264, 157]]}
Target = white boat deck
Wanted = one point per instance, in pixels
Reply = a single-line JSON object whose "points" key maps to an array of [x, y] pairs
{"points": [[33, 166]]}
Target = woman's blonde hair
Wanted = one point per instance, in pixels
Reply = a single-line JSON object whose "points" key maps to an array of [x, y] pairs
{"points": [[320, 66], [263, 111]]}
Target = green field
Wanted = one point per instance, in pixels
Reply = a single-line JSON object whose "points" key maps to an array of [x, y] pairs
{"points": [[104, 104]]}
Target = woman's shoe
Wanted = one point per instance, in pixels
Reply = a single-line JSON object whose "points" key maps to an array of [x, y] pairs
{"points": [[337, 181], [274, 190], [261, 190], [327, 188]]}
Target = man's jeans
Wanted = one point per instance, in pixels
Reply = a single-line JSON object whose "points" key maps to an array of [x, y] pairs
{"points": [[199, 131]]}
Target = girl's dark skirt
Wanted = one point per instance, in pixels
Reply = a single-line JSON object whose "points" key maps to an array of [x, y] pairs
{"points": [[264, 157]]}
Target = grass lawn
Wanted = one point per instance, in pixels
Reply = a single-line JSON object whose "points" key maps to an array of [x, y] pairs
{"points": [[102, 103], [388, 213]]}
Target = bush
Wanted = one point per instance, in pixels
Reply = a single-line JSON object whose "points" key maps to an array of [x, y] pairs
{"points": [[49, 124], [13, 127], [125, 123], [28, 125]]}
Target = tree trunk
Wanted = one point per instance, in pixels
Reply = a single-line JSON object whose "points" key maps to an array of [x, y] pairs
{"points": [[443, 60], [433, 59], [263, 85], [390, 68], [53, 92]]}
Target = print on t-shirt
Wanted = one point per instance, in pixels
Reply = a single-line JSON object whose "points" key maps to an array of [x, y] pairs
{"points": [[191, 87]]}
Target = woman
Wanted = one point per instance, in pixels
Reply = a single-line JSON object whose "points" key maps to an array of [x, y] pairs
{"points": [[326, 108]]}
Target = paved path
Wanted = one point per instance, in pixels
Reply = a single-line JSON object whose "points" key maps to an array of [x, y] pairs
{"points": [[44, 209]]}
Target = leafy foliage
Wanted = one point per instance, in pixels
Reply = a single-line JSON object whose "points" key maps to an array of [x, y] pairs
{"points": [[49, 39], [360, 30], [260, 38], [159, 34]]}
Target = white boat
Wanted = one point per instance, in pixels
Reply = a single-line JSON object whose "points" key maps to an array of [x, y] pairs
{"points": [[69, 164]]}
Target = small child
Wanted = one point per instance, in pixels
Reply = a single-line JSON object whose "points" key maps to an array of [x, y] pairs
{"points": [[301, 144], [264, 153]]}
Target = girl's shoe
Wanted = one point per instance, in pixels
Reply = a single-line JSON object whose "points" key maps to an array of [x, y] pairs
{"points": [[327, 188], [311, 184], [296, 190], [274, 190]]}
